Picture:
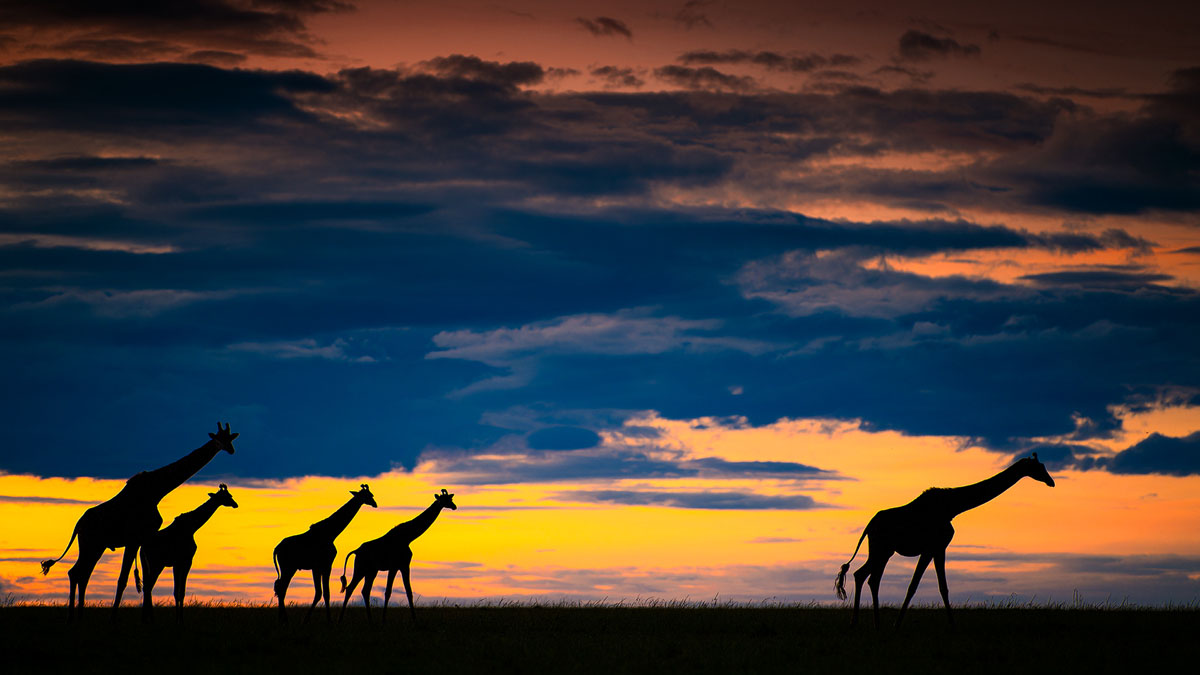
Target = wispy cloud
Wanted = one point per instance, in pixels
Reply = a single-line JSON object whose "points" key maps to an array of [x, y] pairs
{"points": [[721, 500], [605, 26]]}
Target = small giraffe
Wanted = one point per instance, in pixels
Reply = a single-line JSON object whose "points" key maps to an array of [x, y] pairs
{"points": [[174, 546], [922, 528], [391, 552], [314, 550], [126, 520]]}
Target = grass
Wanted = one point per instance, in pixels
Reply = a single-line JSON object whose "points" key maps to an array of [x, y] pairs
{"points": [[649, 636]]}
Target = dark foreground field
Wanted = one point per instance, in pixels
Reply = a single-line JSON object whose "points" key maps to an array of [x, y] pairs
{"points": [[523, 639]]}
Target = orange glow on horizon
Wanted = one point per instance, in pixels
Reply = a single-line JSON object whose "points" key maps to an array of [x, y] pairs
{"points": [[536, 540]]}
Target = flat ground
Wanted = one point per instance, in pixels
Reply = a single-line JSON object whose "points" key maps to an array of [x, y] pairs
{"points": [[530, 639]]}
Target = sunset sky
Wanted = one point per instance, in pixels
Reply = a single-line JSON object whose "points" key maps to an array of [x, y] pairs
{"points": [[673, 296]]}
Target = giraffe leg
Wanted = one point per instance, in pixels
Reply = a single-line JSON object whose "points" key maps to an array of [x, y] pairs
{"points": [[349, 592], [281, 586], [325, 593], [152, 571], [876, 575], [368, 581], [939, 564], [859, 577], [181, 575], [131, 552], [317, 597], [922, 563], [387, 592], [408, 591], [81, 572]]}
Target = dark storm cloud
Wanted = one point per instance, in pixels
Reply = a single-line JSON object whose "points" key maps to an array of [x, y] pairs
{"points": [[616, 76], [144, 31], [704, 78], [509, 75], [1111, 279], [1167, 455], [694, 500], [604, 25], [371, 231], [766, 59], [133, 99], [918, 46], [1117, 164]]}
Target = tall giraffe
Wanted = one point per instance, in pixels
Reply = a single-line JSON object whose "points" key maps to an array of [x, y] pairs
{"points": [[391, 552], [922, 528], [174, 546], [126, 520], [314, 550]]}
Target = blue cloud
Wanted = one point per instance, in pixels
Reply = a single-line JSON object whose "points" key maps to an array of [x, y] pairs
{"points": [[1169, 455], [312, 319], [563, 438]]}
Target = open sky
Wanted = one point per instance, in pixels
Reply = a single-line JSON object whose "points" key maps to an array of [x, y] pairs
{"points": [[672, 295]]}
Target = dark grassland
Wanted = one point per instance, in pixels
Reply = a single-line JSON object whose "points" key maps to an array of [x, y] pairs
{"points": [[558, 639]]}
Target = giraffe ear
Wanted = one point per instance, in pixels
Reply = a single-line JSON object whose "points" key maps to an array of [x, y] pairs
{"points": [[1035, 457]]}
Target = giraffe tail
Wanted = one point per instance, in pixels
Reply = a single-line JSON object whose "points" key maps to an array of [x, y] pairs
{"points": [[47, 564], [278, 576], [344, 563], [137, 578], [839, 585]]}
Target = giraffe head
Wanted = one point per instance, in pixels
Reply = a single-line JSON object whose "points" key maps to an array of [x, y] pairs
{"points": [[223, 438], [223, 497], [1036, 470], [445, 499], [364, 495]]}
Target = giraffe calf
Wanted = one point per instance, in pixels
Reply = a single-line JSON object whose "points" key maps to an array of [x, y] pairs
{"points": [[174, 546]]}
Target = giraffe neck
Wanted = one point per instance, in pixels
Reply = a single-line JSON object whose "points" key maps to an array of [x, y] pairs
{"points": [[334, 524], [156, 484], [194, 520], [417, 526], [967, 497]]}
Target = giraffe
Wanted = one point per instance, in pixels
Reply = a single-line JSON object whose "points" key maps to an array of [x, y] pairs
{"points": [[922, 528], [174, 546], [314, 550], [126, 520], [391, 552]]}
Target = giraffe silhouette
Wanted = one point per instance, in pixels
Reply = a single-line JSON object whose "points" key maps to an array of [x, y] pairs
{"points": [[314, 550], [922, 528], [174, 546], [129, 518], [391, 552]]}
